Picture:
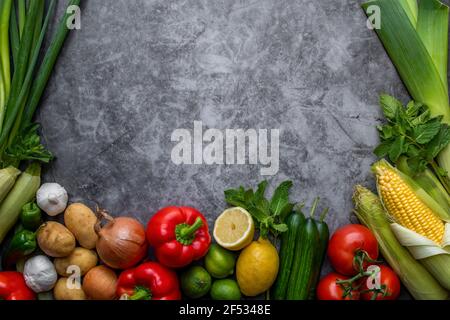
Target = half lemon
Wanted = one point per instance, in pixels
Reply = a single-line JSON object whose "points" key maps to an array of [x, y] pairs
{"points": [[234, 229]]}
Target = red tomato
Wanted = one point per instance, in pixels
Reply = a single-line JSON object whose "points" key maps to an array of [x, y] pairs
{"points": [[328, 289], [388, 281], [347, 242]]}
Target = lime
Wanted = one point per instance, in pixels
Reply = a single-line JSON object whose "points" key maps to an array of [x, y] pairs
{"points": [[195, 282], [220, 262], [226, 289]]}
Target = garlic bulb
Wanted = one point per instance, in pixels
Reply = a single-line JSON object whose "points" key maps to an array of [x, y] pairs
{"points": [[40, 274], [52, 198]]}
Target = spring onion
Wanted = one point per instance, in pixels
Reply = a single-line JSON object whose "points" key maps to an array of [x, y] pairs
{"points": [[26, 28]]}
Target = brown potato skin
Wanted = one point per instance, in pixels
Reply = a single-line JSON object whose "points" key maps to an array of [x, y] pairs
{"points": [[80, 220], [61, 292], [83, 258], [55, 240]]}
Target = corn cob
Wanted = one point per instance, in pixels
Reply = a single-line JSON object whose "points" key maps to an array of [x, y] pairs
{"points": [[419, 222], [404, 206], [419, 282]]}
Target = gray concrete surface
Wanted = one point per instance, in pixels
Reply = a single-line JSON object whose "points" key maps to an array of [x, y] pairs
{"points": [[139, 69]]}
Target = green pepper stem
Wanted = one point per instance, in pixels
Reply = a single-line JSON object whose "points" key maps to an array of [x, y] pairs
{"points": [[141, 293], [189, 231], [185, 233]]}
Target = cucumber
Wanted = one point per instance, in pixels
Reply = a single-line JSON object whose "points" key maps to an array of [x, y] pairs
{"points": [[287, 249], [300, 280], [324, 236]]}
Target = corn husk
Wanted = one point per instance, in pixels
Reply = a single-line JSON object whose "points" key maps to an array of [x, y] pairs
{"points": [[428, 181], [435, 257], [414, 276]]}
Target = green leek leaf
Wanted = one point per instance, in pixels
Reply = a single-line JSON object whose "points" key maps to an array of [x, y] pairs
{"points": [[417, 65]]}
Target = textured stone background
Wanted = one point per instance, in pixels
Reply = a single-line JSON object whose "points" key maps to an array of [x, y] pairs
{"points": [[140, 69]]}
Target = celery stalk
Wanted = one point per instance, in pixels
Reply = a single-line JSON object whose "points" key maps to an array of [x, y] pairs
{"points": [[414, 276]]}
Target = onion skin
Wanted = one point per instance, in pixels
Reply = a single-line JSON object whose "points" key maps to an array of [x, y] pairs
{"points": [[100, 283], [121, 242]]}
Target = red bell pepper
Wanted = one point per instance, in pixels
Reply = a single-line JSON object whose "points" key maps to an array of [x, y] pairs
{"points": [[179, 236], [13, 287], [149, 281]]}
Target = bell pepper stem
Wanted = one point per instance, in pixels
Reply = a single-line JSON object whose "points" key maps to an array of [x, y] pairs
{"points": [[185, 233], [188, 231], [141, 293]]}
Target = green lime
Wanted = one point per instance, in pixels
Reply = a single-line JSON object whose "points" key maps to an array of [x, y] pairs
{"points": [[220, 262], [226, 289], [195, 282]]}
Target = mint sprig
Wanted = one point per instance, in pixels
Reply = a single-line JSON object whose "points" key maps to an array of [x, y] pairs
{"points": [[411, 131], [268, 215]]}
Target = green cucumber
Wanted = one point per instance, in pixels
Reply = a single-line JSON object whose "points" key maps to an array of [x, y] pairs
{"points": [[304, 262], [324, 236], [287, 249]]}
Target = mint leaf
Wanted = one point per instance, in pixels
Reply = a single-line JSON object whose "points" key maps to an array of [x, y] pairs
{"points": [[280, 198], [279, 227], [383, 149], [396, 148], [423, 117], [424, 133], [261, 191], [390, 106], [438, 143], [236, 197], [413, 109]]}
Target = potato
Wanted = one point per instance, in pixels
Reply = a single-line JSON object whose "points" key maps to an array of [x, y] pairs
{"points": [[83, 258], [80, 220], [63, 292], [55, 240]]}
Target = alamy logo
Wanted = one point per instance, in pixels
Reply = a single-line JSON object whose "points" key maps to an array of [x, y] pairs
{"points": [[73, 21], [227, 147]]}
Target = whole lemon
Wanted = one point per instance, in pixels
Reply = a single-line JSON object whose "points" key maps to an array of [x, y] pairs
{"points": [[257, 267]]}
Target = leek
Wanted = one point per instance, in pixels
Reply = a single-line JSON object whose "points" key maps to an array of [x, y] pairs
{"points": [[416, 39], [419, 282]]}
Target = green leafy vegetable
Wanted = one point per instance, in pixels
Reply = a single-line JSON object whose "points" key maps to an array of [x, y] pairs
{"points": [[412, 132], [268, 215]]}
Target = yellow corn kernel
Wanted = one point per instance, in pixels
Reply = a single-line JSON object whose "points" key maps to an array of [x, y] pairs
{"points": [[406, 207]]}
